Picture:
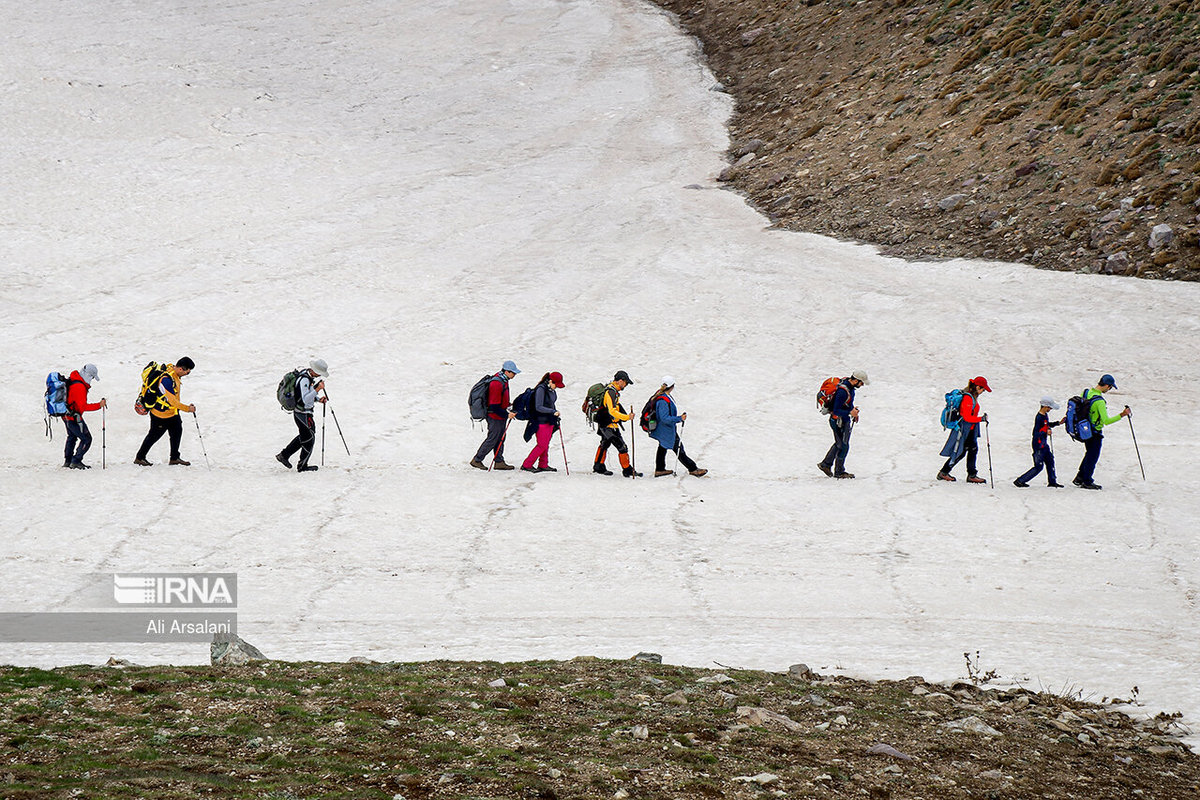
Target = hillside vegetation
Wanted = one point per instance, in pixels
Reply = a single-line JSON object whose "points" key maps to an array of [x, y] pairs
{"points": [[1062, 134]]}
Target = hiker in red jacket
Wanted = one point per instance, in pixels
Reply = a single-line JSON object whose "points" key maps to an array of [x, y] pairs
{"points": [[77, 403], [498, 417], [964, 439]]}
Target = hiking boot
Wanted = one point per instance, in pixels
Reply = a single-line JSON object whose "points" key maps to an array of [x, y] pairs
{"points": [[282, 459], [946, 476], [629, 472], [825, 469], [1021, 484], [179, 462], [546, 469], [529, 469], [600, 469], [1055, 485], [1086, 485], [699, 473], [141, 462], [502, 466], [975, 479], [67, 464], [662, 473], [477, 464], [843, 474], [75, 465], [306, 468]]}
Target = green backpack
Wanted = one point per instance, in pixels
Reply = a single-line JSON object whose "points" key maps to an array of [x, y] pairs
{"points": [[593, 404]]}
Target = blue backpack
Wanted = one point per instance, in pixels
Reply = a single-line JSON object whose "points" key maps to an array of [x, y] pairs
{"points": [[523, 405], [952, 413], [56, 394], [1078, 420]]}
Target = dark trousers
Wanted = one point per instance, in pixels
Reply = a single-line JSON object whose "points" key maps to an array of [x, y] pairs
{"points": [[77, 433], [1091, 456], [970, 450], [836, 457], [660, 459], [306, 436], [172, 426], [1042, 457], [610, 437], [494, 441]]}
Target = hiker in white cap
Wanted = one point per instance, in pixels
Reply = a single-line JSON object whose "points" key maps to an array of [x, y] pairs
{"points": [[79, 438], [659, 418], [1043, 455], [842, 416], [306, 398]]}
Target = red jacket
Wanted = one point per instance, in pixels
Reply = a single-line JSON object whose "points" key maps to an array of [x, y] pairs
{"points": [[498, 397], [77, 391], [969, 408]]}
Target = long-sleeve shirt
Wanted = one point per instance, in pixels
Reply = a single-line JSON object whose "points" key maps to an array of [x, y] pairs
{"points": [[1098, 413], [498, 400], [306, 394], [843, 401], [1041, 431], [170, 387], [969, 409], [613, 406], [77, 396]]}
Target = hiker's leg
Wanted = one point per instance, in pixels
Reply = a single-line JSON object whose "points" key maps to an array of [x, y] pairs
{"points": [[307, 426], [688, 464], [157, 428], [175, 434]]}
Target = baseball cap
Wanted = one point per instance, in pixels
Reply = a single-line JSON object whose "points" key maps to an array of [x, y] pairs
{"points": [[622, 375], [1108, 380], [1049, 402], [557, 380], [509, 366], [982, 383]]}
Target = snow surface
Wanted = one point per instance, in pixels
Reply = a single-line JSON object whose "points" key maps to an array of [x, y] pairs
{"points": [[418, 191]]}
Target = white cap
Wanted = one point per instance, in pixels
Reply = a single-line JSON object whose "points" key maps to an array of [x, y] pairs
{"points": [[90, 374], [668, 381], [319, 366], [860, 375], [1049, 402]]}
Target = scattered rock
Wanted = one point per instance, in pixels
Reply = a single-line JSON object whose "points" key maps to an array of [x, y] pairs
{"points": [[762, 778], [759, 717], [676, 699], [499, 682], [972, 724], [720, 677], [881, 749], [742, 148], [231, 650], [641, 732], [362, 660], [802, 672], [1161, 236], [752, 36], [1116, 263], [953, 202], [650, 658], [727, 700], [119, 663]]}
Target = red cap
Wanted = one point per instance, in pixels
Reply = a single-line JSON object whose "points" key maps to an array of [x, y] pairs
{"points": [[981, 382], [556, 379]]}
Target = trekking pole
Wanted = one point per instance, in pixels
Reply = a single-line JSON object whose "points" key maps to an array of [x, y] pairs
{"points": [[566, 466], [198, 433], [323, 434], [1129, 417], [333, 414], [988, 436], [103, 439], [503, 436], [632, 443]]}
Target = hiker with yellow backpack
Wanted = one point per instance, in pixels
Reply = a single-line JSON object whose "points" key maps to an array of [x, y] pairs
{"points": [[160, 398]]}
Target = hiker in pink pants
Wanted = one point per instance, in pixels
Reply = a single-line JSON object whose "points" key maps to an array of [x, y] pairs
{"points": [[543, 421]]}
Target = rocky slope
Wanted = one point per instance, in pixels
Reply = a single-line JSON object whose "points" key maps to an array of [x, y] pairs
{"points": [[1062, 134]]}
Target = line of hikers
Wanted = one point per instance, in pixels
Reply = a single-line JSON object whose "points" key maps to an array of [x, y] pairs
{"points": [[490, 401], [1085, 419], [303, 388]]}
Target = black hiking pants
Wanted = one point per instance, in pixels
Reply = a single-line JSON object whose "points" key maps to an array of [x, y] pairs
{"points": [[610, 437], [836, 457], [970, 450], [77, 433], [305, 438], [660, 458], [172, 426]]}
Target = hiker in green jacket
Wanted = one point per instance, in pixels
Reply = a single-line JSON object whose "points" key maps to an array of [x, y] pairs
{"points": [[1098, 414]]}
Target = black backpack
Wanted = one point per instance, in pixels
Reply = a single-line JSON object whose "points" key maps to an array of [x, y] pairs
{"points": [[477, 400], [649, 416], [523, 405]]}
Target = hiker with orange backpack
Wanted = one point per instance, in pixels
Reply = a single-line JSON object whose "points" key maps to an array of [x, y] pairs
{"points": [[843, 414], [964, 432], [659, 419]]}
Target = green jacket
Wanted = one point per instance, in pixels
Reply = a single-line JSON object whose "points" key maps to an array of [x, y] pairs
{"points": [[1098, 413]]}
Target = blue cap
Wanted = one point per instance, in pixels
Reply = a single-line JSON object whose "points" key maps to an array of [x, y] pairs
{"points": [[1108, 380], [510, 367]]}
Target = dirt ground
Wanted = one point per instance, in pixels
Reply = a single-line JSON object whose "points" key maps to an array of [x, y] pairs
{"points": [[1061, 134], [585, 728]]}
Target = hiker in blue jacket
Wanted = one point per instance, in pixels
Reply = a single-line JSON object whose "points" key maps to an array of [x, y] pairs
{"points": [[1042, 454], [842, 416], [666, 418]]}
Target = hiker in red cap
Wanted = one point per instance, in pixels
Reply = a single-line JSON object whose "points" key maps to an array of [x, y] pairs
{"points": [[543, 421], [964, 437]]}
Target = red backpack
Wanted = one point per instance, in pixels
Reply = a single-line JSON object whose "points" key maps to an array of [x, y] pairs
{"points": [[649, 418], [825, 395]]}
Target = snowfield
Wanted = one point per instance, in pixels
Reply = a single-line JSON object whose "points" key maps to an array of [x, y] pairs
{"points": [[416, 192]]}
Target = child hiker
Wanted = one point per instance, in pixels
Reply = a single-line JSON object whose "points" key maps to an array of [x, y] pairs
{"points": [[1042, 454]]}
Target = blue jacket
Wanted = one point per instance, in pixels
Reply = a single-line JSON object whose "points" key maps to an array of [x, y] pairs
{"points": [[667, 415], [843, 402]]}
